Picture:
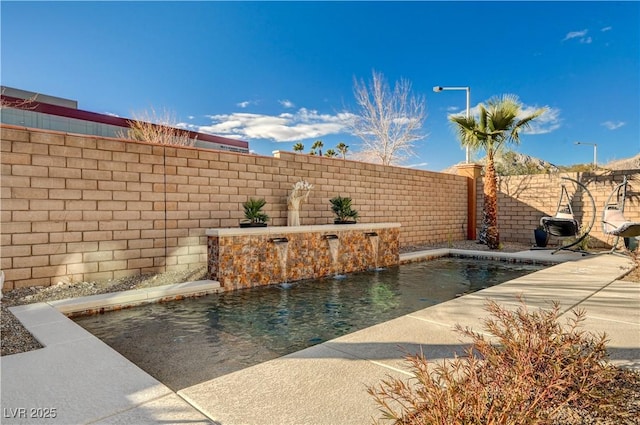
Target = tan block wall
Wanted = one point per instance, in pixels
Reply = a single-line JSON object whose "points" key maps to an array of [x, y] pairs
{"points": [[523, 200], [78, 207]]}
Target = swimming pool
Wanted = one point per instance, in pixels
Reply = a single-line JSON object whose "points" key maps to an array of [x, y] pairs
{"points": [[190, 341]]}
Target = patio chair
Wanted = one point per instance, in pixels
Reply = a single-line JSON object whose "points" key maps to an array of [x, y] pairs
{"points": [[563, 223], [613, 221]]}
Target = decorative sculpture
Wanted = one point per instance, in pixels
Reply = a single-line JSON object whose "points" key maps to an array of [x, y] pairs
{"points": [[298, 195]]}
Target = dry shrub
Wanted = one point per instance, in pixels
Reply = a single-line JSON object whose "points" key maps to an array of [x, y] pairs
{"points": [[528, 369], [157, 129]]}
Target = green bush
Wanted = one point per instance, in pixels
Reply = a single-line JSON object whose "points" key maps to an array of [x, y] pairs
{"points": [[253, 210], [341, 207]]}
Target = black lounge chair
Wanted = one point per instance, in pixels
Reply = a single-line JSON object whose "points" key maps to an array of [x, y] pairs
{"points": [[563, 223], [613, 221]]}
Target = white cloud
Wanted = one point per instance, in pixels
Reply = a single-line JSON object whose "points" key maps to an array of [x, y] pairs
{"points": [[575, 34], [246, 103], [610, 125], [606, 29], [586, 40], [287, 127], [287, 103], [419, 164], [545, 123]]}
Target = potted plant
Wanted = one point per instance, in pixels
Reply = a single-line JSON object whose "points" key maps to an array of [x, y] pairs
{"points": [[542, 237], [341, 207], [254, 217]]}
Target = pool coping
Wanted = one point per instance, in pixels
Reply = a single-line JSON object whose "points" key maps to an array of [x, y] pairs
{"points": [[118, 300], [75, 370]]}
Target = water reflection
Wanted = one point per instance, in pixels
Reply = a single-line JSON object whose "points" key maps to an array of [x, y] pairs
{"points": [[186, 342]]}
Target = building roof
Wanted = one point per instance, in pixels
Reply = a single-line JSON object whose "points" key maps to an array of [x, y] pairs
{"points": [[51, 105]]}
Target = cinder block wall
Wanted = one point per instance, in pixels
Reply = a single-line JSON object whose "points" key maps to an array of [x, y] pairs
{"points": [[78, 207], [523, 200]]}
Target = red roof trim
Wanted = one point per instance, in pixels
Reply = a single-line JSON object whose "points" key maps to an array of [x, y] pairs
{"points": [[63, 111]]}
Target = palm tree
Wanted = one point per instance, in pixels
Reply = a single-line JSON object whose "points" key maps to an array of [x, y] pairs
{"points": [[330, 153], [298, 147], [317, 145], [342, 148], [498, 123]]}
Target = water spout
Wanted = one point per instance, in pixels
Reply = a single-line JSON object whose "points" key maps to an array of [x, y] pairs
{"points": [[334, 249], [282, 248], [374, 239]]}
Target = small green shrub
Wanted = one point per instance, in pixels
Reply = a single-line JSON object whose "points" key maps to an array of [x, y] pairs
{"points": [[341, 207], [527, 370], [253, 210]]}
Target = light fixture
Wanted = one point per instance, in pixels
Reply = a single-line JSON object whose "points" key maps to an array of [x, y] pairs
{"points": [[468, 90], [595, 152]]}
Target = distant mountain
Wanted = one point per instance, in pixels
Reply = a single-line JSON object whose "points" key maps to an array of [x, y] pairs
{"points": [[512, 163], [624, 164]]}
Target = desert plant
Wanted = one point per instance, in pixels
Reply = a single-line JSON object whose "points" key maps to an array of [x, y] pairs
{"points": [[527, 370], [158, 129], [253, 211], [341, 207]]}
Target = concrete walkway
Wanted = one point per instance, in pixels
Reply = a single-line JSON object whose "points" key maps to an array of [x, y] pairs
{"points": [[85, 381]]}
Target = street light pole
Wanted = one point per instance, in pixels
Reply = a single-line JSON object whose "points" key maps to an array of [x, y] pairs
{"points": [[468, 90], [595, 152]]}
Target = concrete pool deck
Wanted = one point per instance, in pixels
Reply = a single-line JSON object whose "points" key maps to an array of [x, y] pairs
{"points": [[84, 381]]}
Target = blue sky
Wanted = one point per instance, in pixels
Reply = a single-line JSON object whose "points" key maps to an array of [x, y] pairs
{"points": [[276, 73]]}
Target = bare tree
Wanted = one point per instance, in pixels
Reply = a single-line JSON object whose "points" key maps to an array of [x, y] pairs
{"points": [[26, 104], [388, 122], [158, 129]]}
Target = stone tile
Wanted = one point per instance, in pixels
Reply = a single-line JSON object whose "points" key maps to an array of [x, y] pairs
{"points": [[318, 386], [623, 340], [467, 311], [83, 380], [170, 409], [390, 342], [36, 314], [134, 296], [619, 302]]}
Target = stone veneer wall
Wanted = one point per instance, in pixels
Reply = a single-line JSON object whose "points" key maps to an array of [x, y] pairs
{"points": [[523, 200], [243, 258], [77, 207]]}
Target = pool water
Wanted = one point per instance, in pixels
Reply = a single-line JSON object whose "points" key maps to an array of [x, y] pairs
{"points": [[186, 342]]}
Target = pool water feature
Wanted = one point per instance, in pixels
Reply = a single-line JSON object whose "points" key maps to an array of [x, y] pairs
{"points": [[190, 341]]}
